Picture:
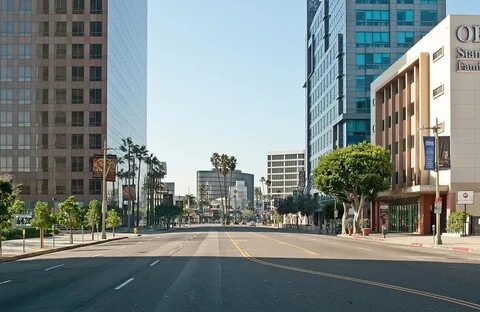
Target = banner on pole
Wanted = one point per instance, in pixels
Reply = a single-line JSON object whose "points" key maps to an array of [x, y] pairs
{"points": [[98, 167], [429, 147], [128, 192], [444, 156]]}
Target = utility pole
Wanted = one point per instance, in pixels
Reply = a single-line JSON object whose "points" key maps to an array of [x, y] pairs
{"points": [[188, 206], [104, 189]]}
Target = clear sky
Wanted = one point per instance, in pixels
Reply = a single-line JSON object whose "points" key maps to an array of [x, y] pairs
{"points": [[226, 76]]}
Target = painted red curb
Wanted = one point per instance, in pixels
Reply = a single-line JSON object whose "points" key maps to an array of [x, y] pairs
{"points": [[462, 249], [416, 244]]}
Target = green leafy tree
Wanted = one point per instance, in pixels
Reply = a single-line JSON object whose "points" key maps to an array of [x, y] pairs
{"points": [[92, 216], [168, 212], [354, 175], [69, 215], [7, 197], [113, 220], [247, 215], [42, 219], [455, 222], [18, 207]]}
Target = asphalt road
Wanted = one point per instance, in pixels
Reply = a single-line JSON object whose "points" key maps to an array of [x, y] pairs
{"points": [[242, 269]]}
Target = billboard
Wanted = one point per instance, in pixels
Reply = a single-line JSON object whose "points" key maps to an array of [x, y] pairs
{"points": [[128, 192], [98, 167]]}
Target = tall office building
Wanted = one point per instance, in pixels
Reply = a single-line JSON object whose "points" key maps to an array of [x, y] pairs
{"points": [[72, 74], [349, 43], [286, 172]]}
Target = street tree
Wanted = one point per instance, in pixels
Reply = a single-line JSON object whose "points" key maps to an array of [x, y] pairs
{"points": [[167, 212], [92, 217], [247, 215], [232, 165], [69, 215], [216, 163], [354, 175], [7, 197], [127, 149], [18, 207], [42, 219], [141, 153], [113, 220]]}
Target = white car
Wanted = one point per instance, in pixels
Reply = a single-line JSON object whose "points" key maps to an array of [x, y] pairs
{"points": [[252, 223]]}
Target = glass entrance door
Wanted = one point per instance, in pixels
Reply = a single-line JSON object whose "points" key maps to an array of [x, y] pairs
{"points": [[403, 218]]}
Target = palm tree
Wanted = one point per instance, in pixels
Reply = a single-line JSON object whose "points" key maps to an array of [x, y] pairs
{"points": [[158, 173], [262, 180], [149, 185], [140, 153], [232, 165], [224, 170], [215, 160], [126, 148]]}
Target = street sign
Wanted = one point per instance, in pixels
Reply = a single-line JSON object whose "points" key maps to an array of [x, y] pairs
{"points": [[465, 197], [335, 213], [438, 205]]}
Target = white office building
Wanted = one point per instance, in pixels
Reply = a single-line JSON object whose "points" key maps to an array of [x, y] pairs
{"points": [[286, 172]]}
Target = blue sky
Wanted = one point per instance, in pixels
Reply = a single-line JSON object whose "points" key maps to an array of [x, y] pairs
{"points": [[226, 76]]}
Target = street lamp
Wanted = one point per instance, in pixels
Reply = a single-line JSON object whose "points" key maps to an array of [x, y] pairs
{"points": [[438, 212]]}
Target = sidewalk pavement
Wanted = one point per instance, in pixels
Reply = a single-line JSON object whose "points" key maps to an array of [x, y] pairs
{"points": [[13, 249], [461, 244]]}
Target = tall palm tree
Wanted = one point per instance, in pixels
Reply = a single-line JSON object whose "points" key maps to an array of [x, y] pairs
{"points": [[149, 185], [262, 180], [140, 153], [232, 165], [224, 170], [215, 160], [126, 148]]}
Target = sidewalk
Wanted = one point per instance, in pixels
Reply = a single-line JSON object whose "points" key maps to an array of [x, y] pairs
{"points": [[13, 249], [462, 244]]}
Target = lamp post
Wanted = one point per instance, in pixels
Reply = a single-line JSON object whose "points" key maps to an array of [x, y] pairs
{"points": [[438, 212], [104, 189]]}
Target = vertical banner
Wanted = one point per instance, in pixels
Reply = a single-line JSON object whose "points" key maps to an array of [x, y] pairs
{"points": [[128, 192], [429, 147], [98, 167], [444, 157]]}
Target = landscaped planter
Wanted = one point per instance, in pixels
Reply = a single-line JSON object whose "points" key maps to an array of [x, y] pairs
{"points": [[350, 231], [366, 231]]}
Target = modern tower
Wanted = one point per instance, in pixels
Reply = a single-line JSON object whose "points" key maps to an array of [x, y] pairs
{"points": [[73, 73], [349, 43]]}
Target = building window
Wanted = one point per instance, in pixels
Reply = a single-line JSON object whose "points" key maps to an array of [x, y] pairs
{"points": [[438, 91], [428, 18], [95, 119], [438, 54], [389, 123], [44, 141], [78, 29], [405, 17], [43, 73], [60, 141], [24, 28], [428, 1], [24, 73], [77, 119], [77, 187], [77, 164], [77, 51], [60, 187], [60, 29], [24, 119], [412, 108], [5, 119], [412, 141], [77, 73], [42, 52], [95, 73], [405, 38], [95, 96], [95, 51], [6, 164], [60, 96], [96, 6], [23, 164], [60, 118], [6, 141], [95, 141], [44, 29], [77, 141], [45, 6], [7, 6], [404, 145], [60, 164], [24, 51], [95, 29], [95, 187], [6, 51], [44, 118], [60, 51], [372, 39], [60, 73], [6, 73], [42, 187], [6, 28], [6, 96], [24, 96], [373, 17], [77, 96], [78, 6], [60, 6]]}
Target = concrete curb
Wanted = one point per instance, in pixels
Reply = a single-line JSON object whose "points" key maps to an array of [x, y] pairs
{"points": [[48, 251], [414, 244]]}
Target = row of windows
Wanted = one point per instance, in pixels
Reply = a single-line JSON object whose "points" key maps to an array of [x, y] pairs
{"points": [[61, 189], [24, 51], [326, 140], [395, 148], [60, 6], [24, 28], [284, 170], [382, 39], [285, 163], [77, 120], [77, 73], [7, 96], [396, 118], [60, 141], [372, 60], [283, 177], [287, 156], [373, 17], [398, 1]]}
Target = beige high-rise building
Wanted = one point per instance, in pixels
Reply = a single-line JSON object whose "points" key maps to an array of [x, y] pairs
{"points": [[72, 74]]}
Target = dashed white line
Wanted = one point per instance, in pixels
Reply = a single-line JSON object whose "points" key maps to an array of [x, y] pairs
{"points": [[97, 255], [154, 263], [333, 243], [361, 248], [5, 282], [54, 267], [124, 283]]}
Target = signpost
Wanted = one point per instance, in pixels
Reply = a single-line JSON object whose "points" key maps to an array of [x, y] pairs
{"points": [[465, 198]]}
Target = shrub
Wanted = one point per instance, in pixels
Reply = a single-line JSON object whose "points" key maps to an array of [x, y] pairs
{"points": [[29, 233], [364, 223], [455, 222]]}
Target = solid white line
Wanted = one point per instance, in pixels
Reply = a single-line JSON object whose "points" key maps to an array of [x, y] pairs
{"points": [[333, 243], [125, 283], [361, 248], [54, 267], [5, 282], [97, 255], [154, 263]]}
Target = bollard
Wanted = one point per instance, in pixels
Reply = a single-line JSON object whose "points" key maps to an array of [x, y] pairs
{"points": [[433, 233], [384, 231], [23, 234]]}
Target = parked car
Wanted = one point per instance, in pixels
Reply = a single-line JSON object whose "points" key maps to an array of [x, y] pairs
{"points": [[252, 223]]}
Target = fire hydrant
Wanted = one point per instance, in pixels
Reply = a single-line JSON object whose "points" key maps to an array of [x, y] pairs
{"points": [[135, 230]]}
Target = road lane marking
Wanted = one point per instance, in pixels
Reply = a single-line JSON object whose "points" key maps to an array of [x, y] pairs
{"points": [[361, 248], [123, 247], [464, 303], [124, 283], [97, 255], [154, 263], [5, 282], [333, 243], [288, 244], [54, 267]]}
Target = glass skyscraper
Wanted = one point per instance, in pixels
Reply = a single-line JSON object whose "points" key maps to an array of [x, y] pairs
{"points": [[349, 43], [72, 74]]}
